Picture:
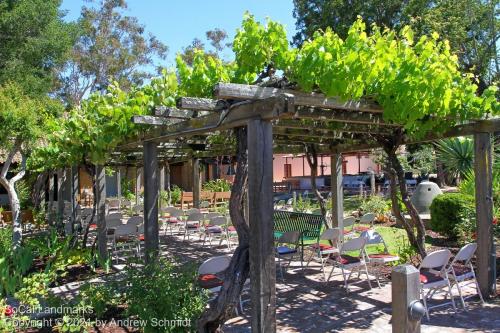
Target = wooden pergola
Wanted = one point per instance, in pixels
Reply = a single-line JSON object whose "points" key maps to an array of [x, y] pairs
{"points": [[282, 121]]}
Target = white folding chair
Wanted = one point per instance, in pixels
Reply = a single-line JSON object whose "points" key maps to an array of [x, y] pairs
{"points": [[380, 258], [172, 217], [349, 222], [287, 248], [192, 211], [215, 229], [321, 251], [192, 224], [461, 270], [125, 244], [135, 220], [210, 275], [365, 222], [434, 278], [351, 263]]}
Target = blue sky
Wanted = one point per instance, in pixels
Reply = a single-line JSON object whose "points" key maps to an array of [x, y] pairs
{"points": [[177, 22]]}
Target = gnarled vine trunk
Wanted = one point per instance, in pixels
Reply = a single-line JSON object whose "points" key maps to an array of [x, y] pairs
{"points": [[312, 160], [10, 187], [222, 308], [397, 175], [91, 171]]}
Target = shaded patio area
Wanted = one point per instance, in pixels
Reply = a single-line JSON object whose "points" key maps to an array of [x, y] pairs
{"points": [[305, 303]]}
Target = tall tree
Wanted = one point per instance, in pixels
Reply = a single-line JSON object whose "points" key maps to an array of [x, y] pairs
{"points": [[471, 26], [34, 43], [111, 47], [23, 119]]}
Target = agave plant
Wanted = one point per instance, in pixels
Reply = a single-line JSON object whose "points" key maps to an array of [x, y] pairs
{"points": [[457, 156]]}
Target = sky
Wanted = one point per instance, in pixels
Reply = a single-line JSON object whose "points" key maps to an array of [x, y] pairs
{"points": [[177, 22]]}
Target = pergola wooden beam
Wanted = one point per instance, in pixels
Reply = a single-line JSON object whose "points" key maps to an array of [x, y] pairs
{"points": [[341, 128], [200, 104], [343, 116], [237, 115], [252, 92]]}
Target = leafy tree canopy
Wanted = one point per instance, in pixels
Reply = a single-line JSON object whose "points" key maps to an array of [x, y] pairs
{"points": [[417, 81], [111, 47], [34, 43], [471, 26]]}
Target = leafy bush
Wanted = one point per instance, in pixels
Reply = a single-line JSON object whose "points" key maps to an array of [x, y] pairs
{"points": [[448, 210], [14, 263], [303, 204], [100, 298], [175, 194], [162, 290], [217, 185], [375, 204]]}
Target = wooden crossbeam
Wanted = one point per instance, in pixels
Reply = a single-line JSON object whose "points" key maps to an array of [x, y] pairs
{"points": [[237, 115], [341, 128], [342, 116], [200, 104], [170, 112], [243, 92], [154, 120]]}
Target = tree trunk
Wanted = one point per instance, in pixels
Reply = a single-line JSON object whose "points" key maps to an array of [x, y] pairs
{"points": [[312, 160], [396, 171], [221, 309], [10, 187]]}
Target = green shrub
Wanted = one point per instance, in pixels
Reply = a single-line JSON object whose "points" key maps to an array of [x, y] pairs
{"points": [[14, 263], [448, 210], [217, 185], [375, 204], [164, 291]]}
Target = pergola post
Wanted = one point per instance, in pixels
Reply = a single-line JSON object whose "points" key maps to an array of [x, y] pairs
{"points": [[337, 192], [74, 194], [196, 183], [138, 175], [486, 268], [260, 202], [60, 196], [151, 236], [101, 211], [167, 182], [50, 208], [119, 185], [162, 183]]}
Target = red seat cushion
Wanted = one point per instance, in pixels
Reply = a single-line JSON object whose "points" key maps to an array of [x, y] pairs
{"points": [[208, 281], [321, 247], [381, 255], [140, 237], [361, 228], [172, 220], [429, 277], [231, 228], [93, 226], [192, 226], [346, 259], [346, 232]]}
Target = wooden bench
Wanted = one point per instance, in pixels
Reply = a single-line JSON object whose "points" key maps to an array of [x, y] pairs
{"points": [[309, 225]]}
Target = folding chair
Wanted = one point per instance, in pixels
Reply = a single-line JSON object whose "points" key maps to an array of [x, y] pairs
{"points": [[461, 270], [287, 248], [135, 220], [379, 259], [349, 222], [192, 224], [350, 263], [434, 277], [321, 251], [215, 229], [365, 222], [124, 245], [172, 216]]}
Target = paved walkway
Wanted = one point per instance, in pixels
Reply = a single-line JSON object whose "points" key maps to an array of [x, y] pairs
{"points": [[308, 304]]}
